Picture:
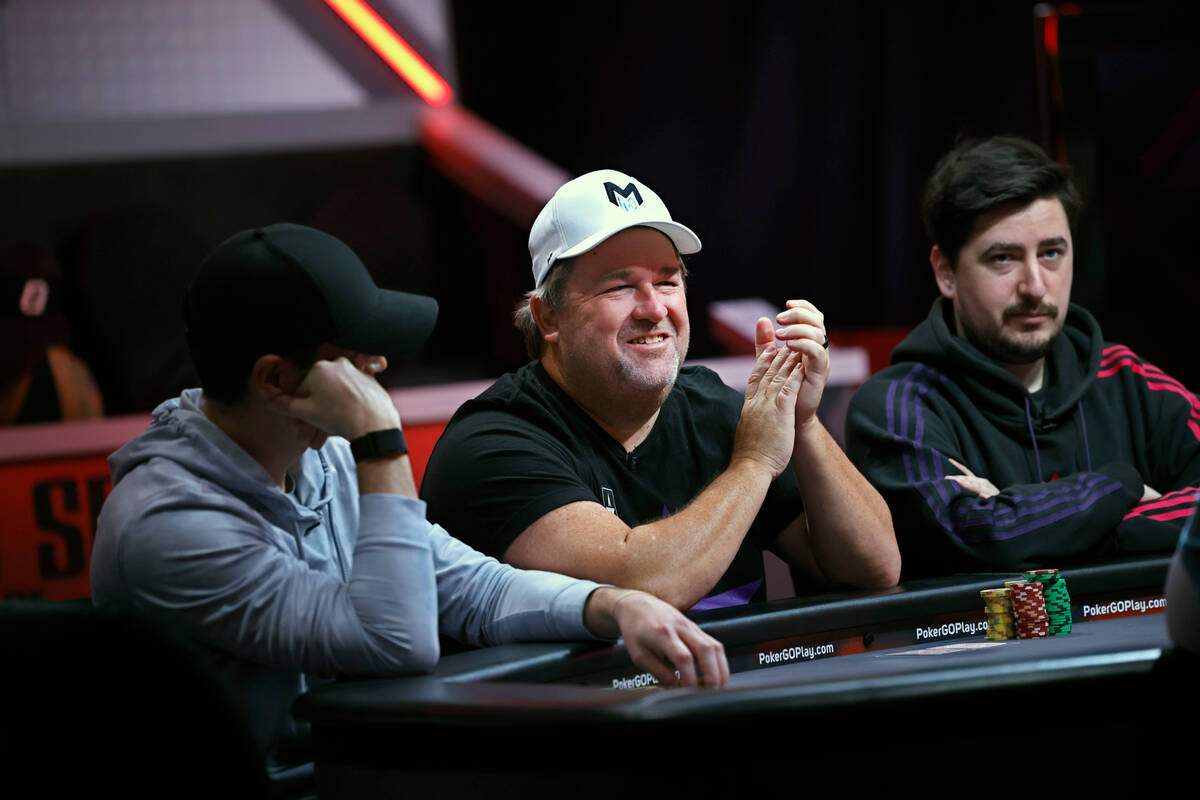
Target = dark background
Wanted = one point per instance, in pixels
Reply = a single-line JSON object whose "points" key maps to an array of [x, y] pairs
{"points": [[792, 137]]}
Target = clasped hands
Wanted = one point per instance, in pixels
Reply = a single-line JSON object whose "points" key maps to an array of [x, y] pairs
{"points": [[790, 371]]}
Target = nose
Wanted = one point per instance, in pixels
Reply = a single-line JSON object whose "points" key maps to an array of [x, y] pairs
{"points": [[649, 306], [1033, 280]]}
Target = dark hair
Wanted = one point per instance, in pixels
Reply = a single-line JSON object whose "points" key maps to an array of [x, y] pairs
{"points": [[225, 373], [978, 176]]}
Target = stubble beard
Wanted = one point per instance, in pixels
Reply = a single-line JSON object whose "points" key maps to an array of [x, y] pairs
{"points": [[639, 376], [627, 383], [999, 346]]}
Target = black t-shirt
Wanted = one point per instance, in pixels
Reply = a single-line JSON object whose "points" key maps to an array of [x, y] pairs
{"points": [[524, 448]]}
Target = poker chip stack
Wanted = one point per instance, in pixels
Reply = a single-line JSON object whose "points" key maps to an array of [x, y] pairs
{"points": [[1058, 601], [1029, 607], [1001, 623]]}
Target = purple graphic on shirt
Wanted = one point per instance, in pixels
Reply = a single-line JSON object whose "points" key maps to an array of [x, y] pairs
{"points": [[734, 597]]}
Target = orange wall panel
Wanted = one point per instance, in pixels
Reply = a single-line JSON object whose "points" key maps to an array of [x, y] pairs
{"points": [[49, 523]]}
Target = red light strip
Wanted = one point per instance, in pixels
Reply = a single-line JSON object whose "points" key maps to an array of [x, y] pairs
{"points": [[415, 71], [1050, 35]]}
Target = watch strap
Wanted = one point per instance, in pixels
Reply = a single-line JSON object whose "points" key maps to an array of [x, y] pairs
{"points": [[378, 444]]}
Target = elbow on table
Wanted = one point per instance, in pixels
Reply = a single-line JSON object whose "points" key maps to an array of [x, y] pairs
{"points": [[881, 568], [882, 575], [423, 659], [402, 655], [679, 597]]}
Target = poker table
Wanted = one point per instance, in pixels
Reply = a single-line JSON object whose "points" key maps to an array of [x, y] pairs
{"points": [[900, 680]]}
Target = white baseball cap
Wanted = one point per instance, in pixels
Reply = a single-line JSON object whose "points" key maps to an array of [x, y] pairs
{"points": [[589, 209]]}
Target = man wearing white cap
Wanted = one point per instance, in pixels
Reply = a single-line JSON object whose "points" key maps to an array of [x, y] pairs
{"points": [[604, 459]]}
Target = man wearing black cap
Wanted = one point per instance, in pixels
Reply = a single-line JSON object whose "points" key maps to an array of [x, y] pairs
{"points": [[604, 459], [273, 514]]}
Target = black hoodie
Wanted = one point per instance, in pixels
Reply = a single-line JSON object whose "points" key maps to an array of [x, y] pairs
{"points": [[1070, 460]]}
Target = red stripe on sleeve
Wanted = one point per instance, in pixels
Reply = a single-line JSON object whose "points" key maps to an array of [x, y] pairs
{"points": [[1176, 514]]}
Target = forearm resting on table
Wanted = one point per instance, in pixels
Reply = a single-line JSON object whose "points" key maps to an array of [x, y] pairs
{"points": [[846, 534], [657, 637], [679, 559]]}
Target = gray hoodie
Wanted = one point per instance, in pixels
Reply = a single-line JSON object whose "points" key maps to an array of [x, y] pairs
{"points": [[284, 587]]}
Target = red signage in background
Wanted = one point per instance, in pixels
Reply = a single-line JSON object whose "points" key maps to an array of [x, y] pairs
{"points": [[54, 480], [49, 511]]}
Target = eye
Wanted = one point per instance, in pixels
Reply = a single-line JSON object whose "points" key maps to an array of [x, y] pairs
{"points": [[1052, 253]]}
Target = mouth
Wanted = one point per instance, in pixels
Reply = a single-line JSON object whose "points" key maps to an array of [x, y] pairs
{"points": [[651, 338]]}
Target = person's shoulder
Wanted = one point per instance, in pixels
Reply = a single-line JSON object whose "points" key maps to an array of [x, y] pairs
{"points": [[514, 393], [161, 487], [902, 374], [526, 403], [507, 427], [701, 398], [528, 380], [700, 376], [1116, 358], [160, 516], [697, 380], [1121, 362]]}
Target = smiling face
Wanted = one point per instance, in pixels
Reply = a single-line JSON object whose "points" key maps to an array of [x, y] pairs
{"points": [[1012, 283], [624, 326]]}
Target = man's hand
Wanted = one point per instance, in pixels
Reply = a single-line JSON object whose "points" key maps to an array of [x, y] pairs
{"points": [[766, 431], [972, 482], [339, 398], [802, 330], [659, 639]]}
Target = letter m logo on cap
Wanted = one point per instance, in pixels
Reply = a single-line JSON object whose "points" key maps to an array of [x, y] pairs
{"points": [[627, 199]]}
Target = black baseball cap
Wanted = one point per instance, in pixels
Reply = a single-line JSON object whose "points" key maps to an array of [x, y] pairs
{"points": [[286, 287]]}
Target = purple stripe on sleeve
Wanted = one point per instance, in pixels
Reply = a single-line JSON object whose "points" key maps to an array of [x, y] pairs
{"points": [[932, 493], [1023, 506], [891, 399], [997, 536]]}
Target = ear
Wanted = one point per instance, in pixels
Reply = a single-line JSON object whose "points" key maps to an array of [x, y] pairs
{"points": [[545, 318], [943, 272], [273, 375]]}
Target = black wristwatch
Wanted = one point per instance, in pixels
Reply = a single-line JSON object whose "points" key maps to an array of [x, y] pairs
{"points": [[377, 444]]}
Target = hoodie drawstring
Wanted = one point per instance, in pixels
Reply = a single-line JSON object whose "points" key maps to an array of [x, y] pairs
{"points": [[1087, 450], [1036, 456]]}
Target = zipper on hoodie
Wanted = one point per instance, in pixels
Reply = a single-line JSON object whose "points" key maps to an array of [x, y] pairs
{"points": [[337, 545]]}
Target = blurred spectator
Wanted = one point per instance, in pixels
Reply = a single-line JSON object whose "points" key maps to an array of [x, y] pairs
{"points": [[41, 380], [1183, 589]]}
